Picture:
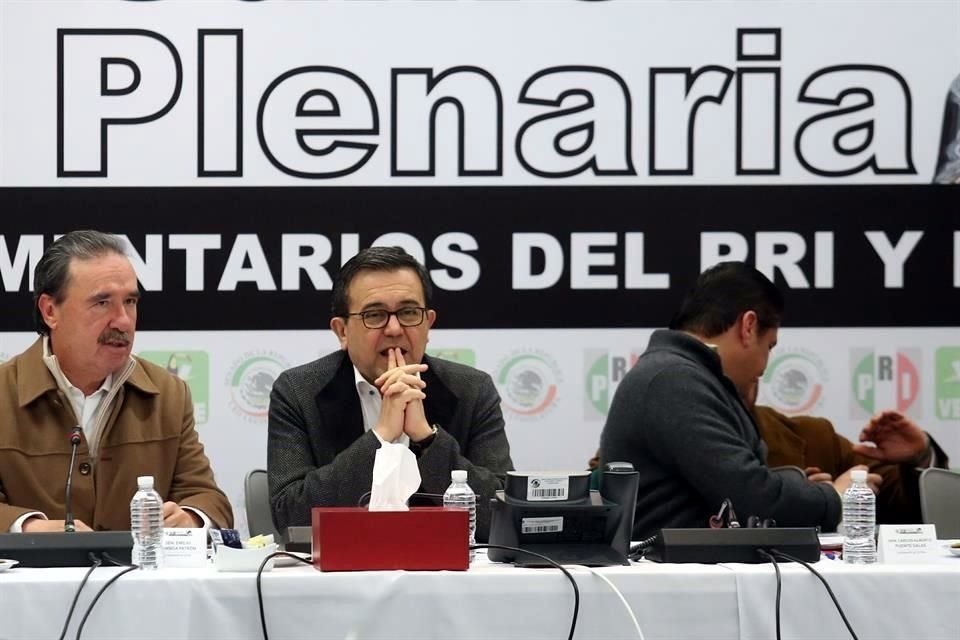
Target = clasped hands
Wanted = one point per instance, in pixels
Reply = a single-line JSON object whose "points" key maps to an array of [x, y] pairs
{"points": [[174, 517], [402, 391]]}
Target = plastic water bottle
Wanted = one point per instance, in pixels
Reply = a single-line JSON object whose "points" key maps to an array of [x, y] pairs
{"points": [[460, 496], [146, 525], [859, 521]]}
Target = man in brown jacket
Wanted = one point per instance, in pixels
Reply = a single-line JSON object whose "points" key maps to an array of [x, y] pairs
{"points": [[133, 418], [894, 448], [813, 445]]}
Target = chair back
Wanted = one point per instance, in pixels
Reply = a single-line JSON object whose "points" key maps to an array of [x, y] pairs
{"points": [[257, 503], [940, 501]]}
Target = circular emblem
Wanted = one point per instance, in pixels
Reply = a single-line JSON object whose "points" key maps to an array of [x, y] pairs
{"points": [[528, 383], [251, 381], [793, 382]]}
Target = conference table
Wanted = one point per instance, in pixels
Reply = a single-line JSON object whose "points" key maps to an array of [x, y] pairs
{"points": [[491, 601]]}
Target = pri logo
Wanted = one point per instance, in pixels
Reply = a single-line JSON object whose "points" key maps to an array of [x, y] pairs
{"points": [[884, 381], [604, 373], [793, 382], [463, 356], [251, 380], [527, 382], [193, 367], [948, 383]]}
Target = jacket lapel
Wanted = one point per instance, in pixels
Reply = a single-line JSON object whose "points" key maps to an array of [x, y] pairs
{"points": [[339, 407], [441, 404]]}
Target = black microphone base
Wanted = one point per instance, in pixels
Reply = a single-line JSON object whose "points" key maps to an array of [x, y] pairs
{"points": [[710, 546], [62, 549]]}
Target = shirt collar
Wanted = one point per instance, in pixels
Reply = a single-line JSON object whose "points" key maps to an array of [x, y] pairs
{"points": [[50, 360], [360, 382]]}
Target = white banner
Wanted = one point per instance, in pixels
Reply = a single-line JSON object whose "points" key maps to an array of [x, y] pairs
{"points": [[471, 92]]}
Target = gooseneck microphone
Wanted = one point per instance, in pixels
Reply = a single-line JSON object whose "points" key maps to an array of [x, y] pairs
{"points": [[74, 443]]}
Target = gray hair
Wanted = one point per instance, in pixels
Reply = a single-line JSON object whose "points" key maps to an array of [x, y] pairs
{"points": [[52, 274]]}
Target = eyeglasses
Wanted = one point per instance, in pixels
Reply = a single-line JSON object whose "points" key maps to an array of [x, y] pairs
{"points": [[378, 318]]}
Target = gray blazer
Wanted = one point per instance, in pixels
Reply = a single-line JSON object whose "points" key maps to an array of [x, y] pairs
{"points": [[318, 454]]}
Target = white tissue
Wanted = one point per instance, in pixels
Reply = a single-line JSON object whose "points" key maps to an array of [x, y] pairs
{"points": [[396, 477]]}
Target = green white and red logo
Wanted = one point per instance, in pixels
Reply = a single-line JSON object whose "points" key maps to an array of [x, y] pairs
{"points": [[528, 383], [884, 380], [251, 380], [794, 382], [603, 372]]}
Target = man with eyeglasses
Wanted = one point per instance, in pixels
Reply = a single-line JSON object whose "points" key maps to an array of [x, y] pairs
{"points": [[328, 417]]}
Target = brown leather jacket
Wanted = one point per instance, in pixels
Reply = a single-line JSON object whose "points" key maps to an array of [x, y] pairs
{"points": [[805, 441], [149, 431]]}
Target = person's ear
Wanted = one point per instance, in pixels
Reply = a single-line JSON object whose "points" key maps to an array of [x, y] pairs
{"points": [[339, 327], [48, 310], [431, 317], [749, 327]]}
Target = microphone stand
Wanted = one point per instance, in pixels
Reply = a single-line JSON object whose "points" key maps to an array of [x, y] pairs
{"points": [[68, 525]]}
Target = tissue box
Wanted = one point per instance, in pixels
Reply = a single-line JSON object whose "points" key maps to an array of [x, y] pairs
{"points": [[423, 538], [230, 559]]}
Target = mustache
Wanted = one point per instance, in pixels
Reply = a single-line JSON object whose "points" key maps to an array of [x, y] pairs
{"points": [[114, 335]]}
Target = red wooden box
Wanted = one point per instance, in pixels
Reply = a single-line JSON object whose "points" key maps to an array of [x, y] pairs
{"points": [[423, 538]]}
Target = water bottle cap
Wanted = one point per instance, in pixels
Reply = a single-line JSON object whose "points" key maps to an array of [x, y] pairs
{"points": [[858, 475], [145, 482], [458, 475]]}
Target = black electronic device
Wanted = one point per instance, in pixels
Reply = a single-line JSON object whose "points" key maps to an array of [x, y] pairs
{"points": [[299, 539], [584, 527], [710, 546], [63, 549]]}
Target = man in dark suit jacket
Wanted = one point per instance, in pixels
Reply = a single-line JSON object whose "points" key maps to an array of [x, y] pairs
{"points": [[328, 417]]}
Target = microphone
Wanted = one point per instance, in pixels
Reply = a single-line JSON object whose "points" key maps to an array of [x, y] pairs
{"points": [[74, 443]]}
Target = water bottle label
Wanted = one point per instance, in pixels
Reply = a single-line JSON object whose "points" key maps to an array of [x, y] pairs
{"points": [[541, 525], [545, 488]]}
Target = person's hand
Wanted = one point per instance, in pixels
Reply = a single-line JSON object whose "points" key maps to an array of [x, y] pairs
{"points": [[815, 474], [399, 386], [399, 371], [415, 423], [36, 523], [895, 438], [175, 517], [842, 483]]}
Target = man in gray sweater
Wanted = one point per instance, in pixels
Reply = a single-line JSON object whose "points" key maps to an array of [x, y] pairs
{"points": [[329, 417], [678, 418]]}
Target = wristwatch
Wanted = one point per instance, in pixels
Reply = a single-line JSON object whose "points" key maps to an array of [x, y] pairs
{"points": [[418, 447]]}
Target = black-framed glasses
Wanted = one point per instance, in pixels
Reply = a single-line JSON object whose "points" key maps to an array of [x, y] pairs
{"points": [[378, 318]]}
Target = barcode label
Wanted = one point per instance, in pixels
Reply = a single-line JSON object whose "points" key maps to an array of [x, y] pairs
{"points": [[546, 493], [544, 488], [541, 525]]}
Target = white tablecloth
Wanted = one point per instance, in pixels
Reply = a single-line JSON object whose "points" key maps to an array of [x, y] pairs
{"points": [[489, 601]]}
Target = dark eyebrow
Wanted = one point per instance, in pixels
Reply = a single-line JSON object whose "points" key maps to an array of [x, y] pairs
{"points": [[379, 306]]}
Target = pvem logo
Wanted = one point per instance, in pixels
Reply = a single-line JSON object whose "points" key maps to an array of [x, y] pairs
{"points": [[321, 122]]}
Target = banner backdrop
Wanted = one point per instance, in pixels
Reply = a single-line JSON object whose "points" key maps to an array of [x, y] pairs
{"points": [[564, 172]]}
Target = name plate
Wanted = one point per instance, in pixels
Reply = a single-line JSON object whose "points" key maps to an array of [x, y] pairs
{"points": [[907, 543], [184, 548]]}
